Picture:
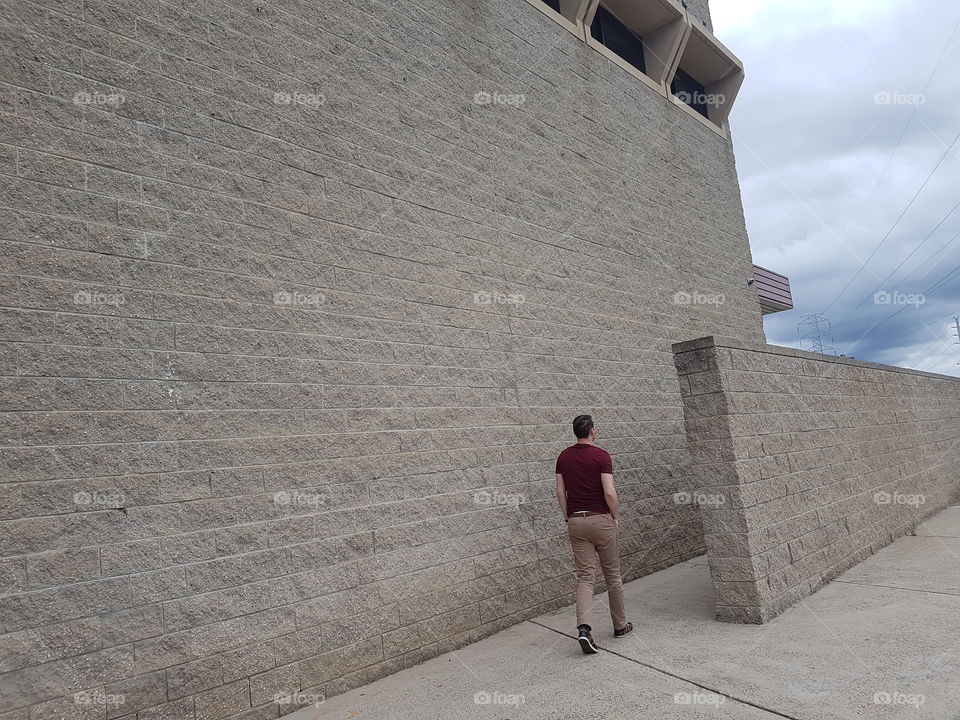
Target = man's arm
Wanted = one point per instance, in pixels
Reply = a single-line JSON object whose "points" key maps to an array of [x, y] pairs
{"points": [[610, 495], [562, 495]]}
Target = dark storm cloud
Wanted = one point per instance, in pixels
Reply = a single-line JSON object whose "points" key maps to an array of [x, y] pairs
{"points": [[831, 90]]}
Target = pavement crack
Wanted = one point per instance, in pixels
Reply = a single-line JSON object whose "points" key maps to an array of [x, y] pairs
{"points": [[897, 587], [778, 713]]}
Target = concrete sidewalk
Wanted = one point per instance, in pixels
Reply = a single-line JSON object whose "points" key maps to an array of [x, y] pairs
{"points": [[881, 641]]}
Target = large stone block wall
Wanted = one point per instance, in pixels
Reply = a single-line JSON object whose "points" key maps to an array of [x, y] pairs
{"points": [[809, 463], [291, 330]]}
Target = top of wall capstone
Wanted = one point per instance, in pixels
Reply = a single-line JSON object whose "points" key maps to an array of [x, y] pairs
{"points": [[719, 341]]}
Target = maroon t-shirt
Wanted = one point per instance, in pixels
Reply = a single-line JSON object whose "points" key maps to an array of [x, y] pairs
{"points": [[581, 465]]}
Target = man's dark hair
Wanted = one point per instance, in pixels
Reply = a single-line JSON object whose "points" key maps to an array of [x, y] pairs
{"points": [[582, 425]]}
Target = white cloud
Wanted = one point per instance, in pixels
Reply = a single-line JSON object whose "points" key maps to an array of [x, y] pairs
{"points": [[813, 145]]}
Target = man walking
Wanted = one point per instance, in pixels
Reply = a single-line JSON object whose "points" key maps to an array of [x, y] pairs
{"points": [[588, 500]]}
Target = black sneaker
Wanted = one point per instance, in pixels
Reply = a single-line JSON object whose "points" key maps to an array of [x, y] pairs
{"points": [[586, 641], [625, 630]]}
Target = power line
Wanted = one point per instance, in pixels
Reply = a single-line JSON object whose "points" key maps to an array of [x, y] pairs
{"points": [[930, 259], [895, 223], [886, 166], [933, 356], [933, 257], [933, 288], [904, 261], [922, 326], [916, 107], [943, 281], [944, 343]]}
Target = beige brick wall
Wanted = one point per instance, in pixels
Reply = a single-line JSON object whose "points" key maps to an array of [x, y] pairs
{"points": [[258, 434], [808, 463]]}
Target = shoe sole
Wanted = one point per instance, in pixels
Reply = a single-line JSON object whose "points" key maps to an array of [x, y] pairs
{"points": [[588, 647]]}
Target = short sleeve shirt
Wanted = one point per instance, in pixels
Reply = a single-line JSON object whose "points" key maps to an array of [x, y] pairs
{"points": [[581, 466]]}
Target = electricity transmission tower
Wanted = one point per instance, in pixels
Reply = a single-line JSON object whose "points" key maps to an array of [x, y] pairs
{"points": [[815, 334], [956, 329]]}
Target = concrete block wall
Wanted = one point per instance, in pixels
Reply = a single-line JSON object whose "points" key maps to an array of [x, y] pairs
{"points": [[808, 464], [292, 329]]}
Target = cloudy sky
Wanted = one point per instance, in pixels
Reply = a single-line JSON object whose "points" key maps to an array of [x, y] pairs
{"points": [[847, 109]]}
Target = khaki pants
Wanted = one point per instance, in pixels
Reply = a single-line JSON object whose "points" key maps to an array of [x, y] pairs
{"points": [[591, 536]]}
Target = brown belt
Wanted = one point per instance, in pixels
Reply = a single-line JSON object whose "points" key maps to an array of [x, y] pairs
{"points": [[585, 513]]}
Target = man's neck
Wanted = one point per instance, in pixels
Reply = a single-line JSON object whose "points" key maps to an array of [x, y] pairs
{"points": [[584, 441]]}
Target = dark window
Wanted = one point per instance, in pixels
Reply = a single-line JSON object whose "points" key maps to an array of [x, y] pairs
{"points": [[553, 4], [687, 89], [618, 37]]}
